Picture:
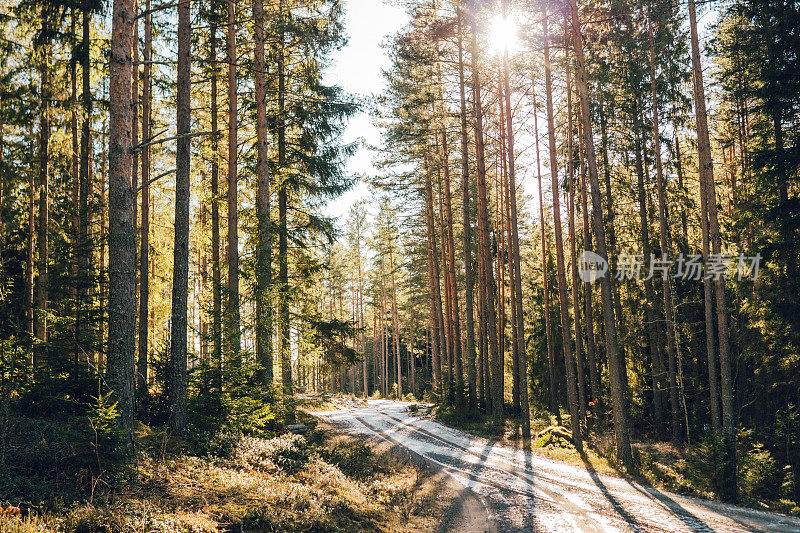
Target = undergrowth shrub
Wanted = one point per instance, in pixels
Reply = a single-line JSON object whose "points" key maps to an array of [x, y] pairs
{"points": [[288, 453], [355, 459], [760, 474]]}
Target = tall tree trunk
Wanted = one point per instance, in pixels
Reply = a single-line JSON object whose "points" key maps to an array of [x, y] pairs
{"points": [[283, 231], [85, 179], [103, 242], [30, 265], [469, 276], [144, 235], [232, 328], [653, 333], [433, 284], [664, 243], [447, 326], [216, 275], [121, 230], [616, 363], [581, 382], [566, 341], [551, 359], [591, 352], [516, 260], [43, 222], [180, 276], [264, 259], [727, 483], [396, 328], [448, 234], [488, 314], [75, 177]]}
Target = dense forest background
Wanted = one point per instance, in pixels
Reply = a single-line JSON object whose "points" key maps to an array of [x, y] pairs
{"points": [[167, 259]]}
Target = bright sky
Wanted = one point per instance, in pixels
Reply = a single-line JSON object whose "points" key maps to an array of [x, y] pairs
{"points": [[357, 68]]}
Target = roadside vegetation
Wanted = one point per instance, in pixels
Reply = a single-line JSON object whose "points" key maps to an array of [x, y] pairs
{"points": [[54, 477]]}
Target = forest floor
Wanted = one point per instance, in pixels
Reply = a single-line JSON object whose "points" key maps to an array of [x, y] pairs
{"points": [[322, 481], [547, 490]]}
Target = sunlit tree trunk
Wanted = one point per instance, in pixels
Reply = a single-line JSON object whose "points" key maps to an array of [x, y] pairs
{"points": [[581, 384], [469, 275], [264, 259], [121, 231], [433, 284], [216, 275], [180, 273], [551, 360], [232, 312], [566, 341], [728, 482], [664, 243], [75, 178], [488, 314], [616, 362], [144, 254]]}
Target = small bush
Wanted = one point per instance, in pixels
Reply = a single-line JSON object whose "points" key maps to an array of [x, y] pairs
{"points": [[761, 475], [355, 459], [288, 453]]}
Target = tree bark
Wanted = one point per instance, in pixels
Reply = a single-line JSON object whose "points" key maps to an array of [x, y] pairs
{"points": [[488, 314], [566, 341], [180, 276], [264, 259], [43, 222], [665, 245], [728, 482], [433, 283], [616, 362], [580, 381], [121, 230], [144, 232], [232, 312], [216, 276], [551, 360], [469, 276], [516, 260], [653, 331]]}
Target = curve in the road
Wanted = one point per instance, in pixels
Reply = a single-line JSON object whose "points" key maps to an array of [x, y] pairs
{"points": [[528, 492]]}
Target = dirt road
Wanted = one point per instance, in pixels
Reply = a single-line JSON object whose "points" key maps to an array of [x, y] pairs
{"points": [[506, 489]]}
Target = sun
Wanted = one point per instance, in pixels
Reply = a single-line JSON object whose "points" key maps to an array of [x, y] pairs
{"points": [[503, 34]]}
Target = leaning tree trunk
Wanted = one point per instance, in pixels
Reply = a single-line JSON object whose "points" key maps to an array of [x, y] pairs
{"points": [[616, 363], [728, 482]]}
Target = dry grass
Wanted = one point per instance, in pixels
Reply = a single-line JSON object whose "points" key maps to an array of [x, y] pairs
{"points": [[313, 483]]}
